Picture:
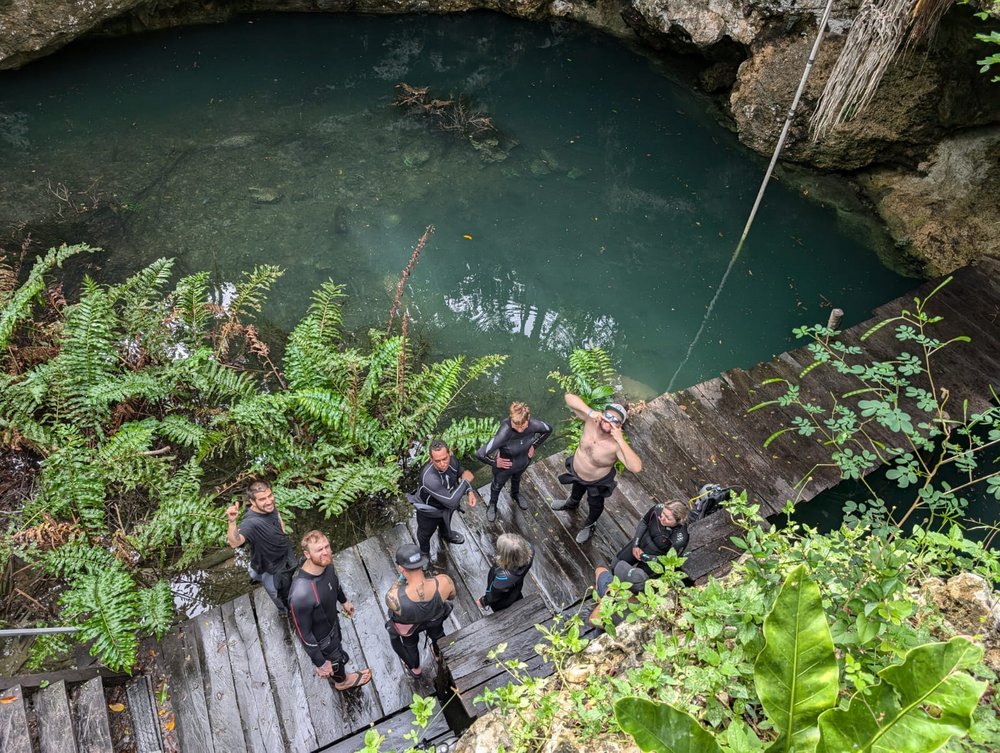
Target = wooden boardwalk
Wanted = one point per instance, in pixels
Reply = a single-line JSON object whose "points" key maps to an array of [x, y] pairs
{"points": [[240, 681]]}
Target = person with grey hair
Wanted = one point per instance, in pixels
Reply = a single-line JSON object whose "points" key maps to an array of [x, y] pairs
{"points": [[591, 468], [662, 528], [506, 578]]}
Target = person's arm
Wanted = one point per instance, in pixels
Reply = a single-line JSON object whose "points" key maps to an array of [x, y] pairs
{"points": [[642, 526], [487, 453], [431, 483], [234, 538], [679, 539], [392, 601], [625, 453], [542, 432], [302, 610], [446, 586], [583, 411]]}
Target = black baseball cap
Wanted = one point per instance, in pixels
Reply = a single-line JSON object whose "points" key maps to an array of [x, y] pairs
{"points": [[409, 557]]}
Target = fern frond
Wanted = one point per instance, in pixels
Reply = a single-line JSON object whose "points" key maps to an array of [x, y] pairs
{"points": [[180, 430], [70, 481], [156, 608], [465, 435], [311, 354], [484, 365], [382, 360], [139, 290], [104, 606], [75, 557], [346, 483], [327, 311], [191, 306], [184, 516], [124, 460], [18, 307], [252, 290]]}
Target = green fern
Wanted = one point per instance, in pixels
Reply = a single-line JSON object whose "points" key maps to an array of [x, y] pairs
{"points": [[71, 484], [156, 608], [76, 557], [465, 435], [191, 307], [346, 483], [104, 605], [46, 648], [591, 376], [252, 289]]}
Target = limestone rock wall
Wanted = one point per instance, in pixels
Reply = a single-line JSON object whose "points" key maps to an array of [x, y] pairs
{"points": [[753, 53]]}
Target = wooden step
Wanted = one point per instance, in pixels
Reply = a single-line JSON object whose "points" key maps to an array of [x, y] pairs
{"points": [[220, 693], [142, 713], [187, 692], [90, 709], [55, 723], [14, 722]]}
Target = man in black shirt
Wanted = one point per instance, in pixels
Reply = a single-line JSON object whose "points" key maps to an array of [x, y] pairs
{"points": [[272, 559], [314, 599], [510, 451], [442, 485]]}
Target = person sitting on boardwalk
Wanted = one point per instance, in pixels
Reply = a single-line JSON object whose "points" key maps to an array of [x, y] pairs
{"points": [[272, 557], [510, 451], [591, 468], [635, 578], [314, 599], [417, 604], [662, 528], [442, 485], [506, 577]]}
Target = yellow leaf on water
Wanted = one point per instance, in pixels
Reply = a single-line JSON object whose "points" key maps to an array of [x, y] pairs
{"points": [[467, 237], [119, 707], [8, 699]]}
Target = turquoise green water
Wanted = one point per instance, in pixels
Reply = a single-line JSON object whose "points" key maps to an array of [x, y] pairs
{"points": [[272, 140]]}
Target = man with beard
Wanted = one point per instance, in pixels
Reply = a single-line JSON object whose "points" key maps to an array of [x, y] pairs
{"points": [[314, 600]]}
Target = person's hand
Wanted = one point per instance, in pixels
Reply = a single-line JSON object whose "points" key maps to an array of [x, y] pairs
{"points": [[637, 553], [531, 452], [467, 475], [616, 434], [233, 512], [503, 463], [326, 670], [472, 498], [596, 416], [348, 608]]}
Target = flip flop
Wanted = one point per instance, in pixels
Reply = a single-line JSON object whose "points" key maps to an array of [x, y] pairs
{"points": [[360, 678]]}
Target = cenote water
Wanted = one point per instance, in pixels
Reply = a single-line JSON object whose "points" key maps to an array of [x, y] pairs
{"points": [[273, 140]]}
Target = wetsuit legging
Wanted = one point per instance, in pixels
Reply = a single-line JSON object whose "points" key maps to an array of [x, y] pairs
{"points": [[597, 491], [314, 601], [654, 539], [436, 499], [414, 618], [514, 445]]}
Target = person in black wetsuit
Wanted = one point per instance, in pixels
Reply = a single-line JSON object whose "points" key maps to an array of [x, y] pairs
{"points": [[272, 557], [314, 599], [443, 483], [506, 578], [661, 529], [417, 604], [510, 451]]}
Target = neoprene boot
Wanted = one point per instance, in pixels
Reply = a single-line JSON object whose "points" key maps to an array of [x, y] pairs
{"points": [[565, 504]]}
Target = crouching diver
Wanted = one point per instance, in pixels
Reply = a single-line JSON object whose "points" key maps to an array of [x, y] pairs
{"points": [[591, 468], [443, 483], [662, 528], [417, 604], [506, 578], [510, 451]]}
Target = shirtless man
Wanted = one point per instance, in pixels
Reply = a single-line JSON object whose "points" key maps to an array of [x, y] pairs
{"points": [[591, 468]]}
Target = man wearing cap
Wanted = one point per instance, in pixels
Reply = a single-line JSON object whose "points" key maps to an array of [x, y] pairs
{"points": [[634, 577], [443, 483], [591, 468], [417, 604], [314, 599]]}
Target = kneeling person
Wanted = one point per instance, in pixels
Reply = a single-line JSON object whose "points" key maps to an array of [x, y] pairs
{"points": [[417, 604], [314, 598]]}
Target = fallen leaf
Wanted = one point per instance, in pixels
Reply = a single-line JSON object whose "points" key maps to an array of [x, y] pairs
{"points": [[169, 725], [119, 707], [8, 699]]}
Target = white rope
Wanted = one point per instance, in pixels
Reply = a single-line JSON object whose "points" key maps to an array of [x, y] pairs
{"points": [[760, 193]]}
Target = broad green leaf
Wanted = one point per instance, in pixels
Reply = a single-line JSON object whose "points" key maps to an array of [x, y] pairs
{"points": [[662, 728], [796, 672], [916, 708]]}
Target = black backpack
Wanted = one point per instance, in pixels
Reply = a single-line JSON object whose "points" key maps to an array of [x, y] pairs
{"points": [[708, 501]]}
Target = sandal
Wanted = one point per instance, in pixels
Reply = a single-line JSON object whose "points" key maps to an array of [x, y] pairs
{"points": [[360, 678]]}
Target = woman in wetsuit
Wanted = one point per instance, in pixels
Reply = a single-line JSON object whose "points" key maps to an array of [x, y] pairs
{"points": [[662, 528], [506, 578], [509, 453], [417, 604]]}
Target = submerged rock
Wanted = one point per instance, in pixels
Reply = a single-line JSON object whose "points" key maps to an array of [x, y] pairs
{"points": [[265, 195]]}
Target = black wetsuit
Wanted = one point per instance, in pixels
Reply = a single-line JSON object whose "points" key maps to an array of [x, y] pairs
{"points": [[272, 559], [414, 618], [503, 587], [436, 499], [514, 445], [314, 601], [654, 539], [597, 491]]}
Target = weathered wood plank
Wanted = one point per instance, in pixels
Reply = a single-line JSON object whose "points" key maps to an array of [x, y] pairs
{"points": [[14, 736], [220, 692], [470, 565], [277, 646], [93, 733], [258, 712], [393, 729], [468, 647], [71, 676], [187, 691], [55, 724], [142, 713]]}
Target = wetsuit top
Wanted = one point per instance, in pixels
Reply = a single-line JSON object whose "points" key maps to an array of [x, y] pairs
{"points": [[442, 489], [654, 538], [514, 444], [413, 612], [270, 549], [313, 601], [503, 587]]}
